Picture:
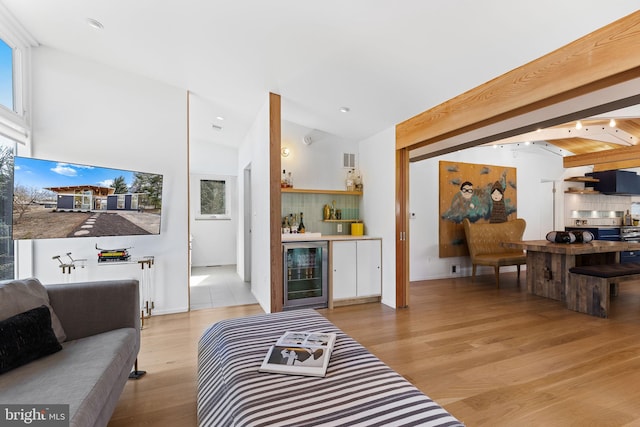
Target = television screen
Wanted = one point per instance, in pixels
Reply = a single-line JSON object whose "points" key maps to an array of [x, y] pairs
{"points": [[58, 200]]}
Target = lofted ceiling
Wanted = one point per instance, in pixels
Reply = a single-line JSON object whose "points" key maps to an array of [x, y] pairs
{"points": [[604, 133], [385, 60]]}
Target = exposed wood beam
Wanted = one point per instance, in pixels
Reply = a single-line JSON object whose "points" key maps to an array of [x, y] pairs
{"points": [[627, 164], [602, 58], [624, 154], [275, 201]]}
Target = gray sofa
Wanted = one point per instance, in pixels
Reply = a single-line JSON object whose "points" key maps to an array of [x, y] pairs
{"points": [[101, 321]]}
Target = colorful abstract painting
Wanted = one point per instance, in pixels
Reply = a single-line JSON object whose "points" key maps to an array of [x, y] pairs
{"points": [[482, 193]]}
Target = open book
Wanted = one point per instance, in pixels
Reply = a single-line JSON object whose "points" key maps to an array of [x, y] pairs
{"points": [[300, 353]]}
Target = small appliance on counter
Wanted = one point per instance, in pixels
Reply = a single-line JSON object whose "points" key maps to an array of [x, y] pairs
{"points": [[357, 229]]}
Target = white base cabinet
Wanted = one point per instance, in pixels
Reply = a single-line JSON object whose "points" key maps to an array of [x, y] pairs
{"points": [[356, 268]]}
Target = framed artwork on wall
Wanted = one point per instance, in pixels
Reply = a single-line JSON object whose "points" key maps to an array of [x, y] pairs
{"points": [[482, 193]]}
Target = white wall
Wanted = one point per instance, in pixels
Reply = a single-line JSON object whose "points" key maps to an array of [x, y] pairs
{"points": [[87, 113], [378, 166], [533, 167], [213, 241], [317, 166], [254, 151]]}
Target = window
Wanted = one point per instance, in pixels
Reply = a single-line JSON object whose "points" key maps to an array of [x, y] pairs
{"points": [[7, 148], [213, 199], [6, 75], [15, 54], [14, 64]]}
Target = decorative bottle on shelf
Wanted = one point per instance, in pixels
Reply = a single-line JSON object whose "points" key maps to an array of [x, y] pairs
{"points": [[357, 180], [283, 179], [349, 181], [627, 218], [289, 180], [294, 223], [301, 227]]}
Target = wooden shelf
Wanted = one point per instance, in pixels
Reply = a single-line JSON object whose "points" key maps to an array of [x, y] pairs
{"points": [[582, 179], [303, 191], [341, 220]]}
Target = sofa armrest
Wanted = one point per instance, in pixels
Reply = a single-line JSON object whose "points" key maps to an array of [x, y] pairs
{"points": [[89, 308]]}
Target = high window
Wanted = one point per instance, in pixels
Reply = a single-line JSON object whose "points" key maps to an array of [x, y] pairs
{"points": [[15, 47], [213, 200], [6, 76]]}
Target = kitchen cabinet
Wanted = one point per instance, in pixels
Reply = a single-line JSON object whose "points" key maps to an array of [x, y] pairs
{"points": [[600, 233], [616, 182], [356, 270]]}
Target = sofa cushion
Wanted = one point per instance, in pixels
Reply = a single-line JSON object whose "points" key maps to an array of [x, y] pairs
{"points": [[18, 296], [85, 374], [26, 337]]}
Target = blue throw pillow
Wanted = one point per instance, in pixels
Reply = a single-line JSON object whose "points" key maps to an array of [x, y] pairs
{"points": [[26, 337]]}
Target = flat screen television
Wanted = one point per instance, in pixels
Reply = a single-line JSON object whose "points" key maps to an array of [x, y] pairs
{"points": [[53, 199]]}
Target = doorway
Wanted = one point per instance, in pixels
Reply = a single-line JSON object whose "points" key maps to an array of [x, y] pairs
{"points": [[217, 195], [247, 209]]}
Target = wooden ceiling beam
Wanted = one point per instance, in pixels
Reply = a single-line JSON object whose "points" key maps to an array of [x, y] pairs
{"points": [[603, 57], [627, 164], [624, 154]]}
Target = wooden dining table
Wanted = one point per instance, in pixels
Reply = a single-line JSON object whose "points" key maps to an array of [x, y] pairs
{"points": [[548, 263]]}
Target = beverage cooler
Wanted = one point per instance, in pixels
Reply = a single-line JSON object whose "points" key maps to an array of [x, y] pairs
{"points": [[305, 275]]}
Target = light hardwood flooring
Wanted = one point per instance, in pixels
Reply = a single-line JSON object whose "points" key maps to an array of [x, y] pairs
{"points": [[492, 357]]}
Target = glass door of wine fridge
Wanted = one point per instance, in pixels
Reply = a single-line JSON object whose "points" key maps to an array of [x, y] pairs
{"points": [[305, 275]]}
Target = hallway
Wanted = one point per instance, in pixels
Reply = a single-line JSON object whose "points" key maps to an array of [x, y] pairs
{"points": [[218, 286]]}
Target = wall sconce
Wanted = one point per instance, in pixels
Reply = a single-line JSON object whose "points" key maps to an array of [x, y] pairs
{"points": [[284, 152]]}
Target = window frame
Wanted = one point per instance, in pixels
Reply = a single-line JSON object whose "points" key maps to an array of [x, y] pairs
{"points": [[199, 216], [15, 124]]}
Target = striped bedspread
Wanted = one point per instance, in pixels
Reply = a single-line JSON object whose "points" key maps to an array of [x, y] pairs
{"points": [[358, 390]]}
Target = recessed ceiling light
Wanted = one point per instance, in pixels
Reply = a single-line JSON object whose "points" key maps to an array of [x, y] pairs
{"points": [[345, 109], [220, 118], [93, 23]]}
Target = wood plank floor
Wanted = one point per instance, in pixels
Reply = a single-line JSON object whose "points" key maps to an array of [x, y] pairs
{"points": [[492, 357]]}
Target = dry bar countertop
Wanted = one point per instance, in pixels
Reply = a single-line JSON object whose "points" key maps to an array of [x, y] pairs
{"points": [[286, 238]]}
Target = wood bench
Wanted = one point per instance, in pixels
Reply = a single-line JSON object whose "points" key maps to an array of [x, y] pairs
{"points": [[589, 287]]}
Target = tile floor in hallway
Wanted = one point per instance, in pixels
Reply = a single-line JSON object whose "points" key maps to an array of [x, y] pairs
{"points": [[218, 286]]}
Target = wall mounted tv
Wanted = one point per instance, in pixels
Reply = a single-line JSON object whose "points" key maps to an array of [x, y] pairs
{"points": [[54, 199]]}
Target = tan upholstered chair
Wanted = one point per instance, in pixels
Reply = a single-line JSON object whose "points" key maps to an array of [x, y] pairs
{"points": [[485, 245]]}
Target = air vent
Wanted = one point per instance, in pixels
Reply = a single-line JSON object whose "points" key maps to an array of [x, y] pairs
{"points": [[349, 160]]}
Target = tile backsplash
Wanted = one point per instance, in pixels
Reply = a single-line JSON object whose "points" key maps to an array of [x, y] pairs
{"points": [[312, 206], [595, 209]]}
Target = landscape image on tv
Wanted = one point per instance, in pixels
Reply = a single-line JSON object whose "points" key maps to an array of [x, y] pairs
{"points": [[54, 199]]}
